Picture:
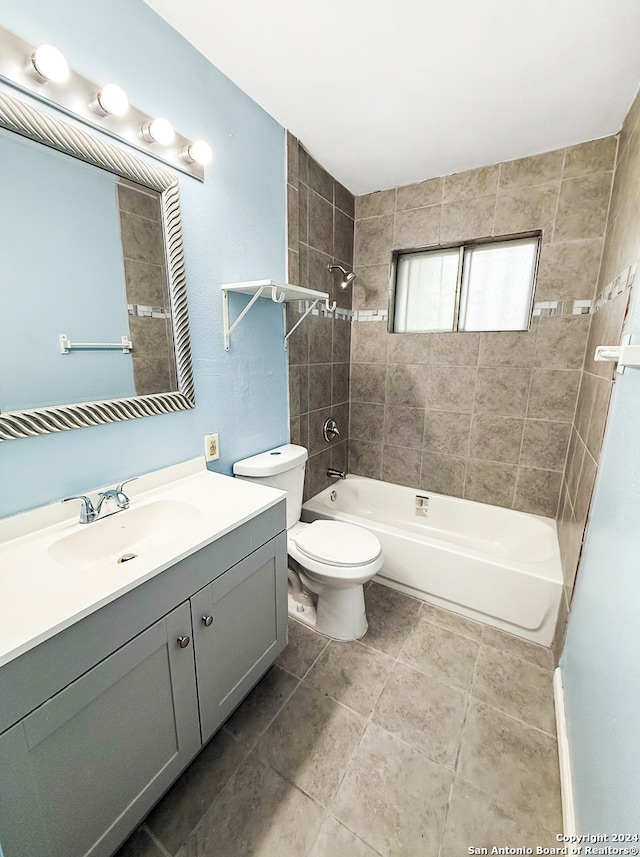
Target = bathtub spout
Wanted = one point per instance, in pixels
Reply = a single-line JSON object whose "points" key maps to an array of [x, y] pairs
{"points": [[336, 474]]}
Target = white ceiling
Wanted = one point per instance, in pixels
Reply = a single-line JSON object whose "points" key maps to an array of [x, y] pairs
{"points": [[388, 93]]}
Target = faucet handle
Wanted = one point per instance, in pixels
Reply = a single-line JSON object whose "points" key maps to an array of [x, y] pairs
{"points": [[117, 495], [122, 484], [87, 511]]}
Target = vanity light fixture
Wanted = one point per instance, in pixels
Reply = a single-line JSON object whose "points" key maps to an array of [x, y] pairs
{"points": [[42, 72], [158, 131], [46, 63], [111, 100], [198, 152]]}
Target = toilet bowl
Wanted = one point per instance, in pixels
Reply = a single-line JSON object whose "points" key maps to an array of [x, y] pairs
{"points": [[331, 560]]}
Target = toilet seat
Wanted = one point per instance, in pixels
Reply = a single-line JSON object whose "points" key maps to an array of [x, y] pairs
{"points": [[337, 544]]}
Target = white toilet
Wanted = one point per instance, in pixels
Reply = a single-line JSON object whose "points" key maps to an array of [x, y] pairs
{"points": [[329, 561]]}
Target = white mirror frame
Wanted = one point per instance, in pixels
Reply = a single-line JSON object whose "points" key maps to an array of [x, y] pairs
{"points": [[25, 120]]}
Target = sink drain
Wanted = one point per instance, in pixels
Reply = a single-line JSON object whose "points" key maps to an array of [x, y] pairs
{"points": [[126, 557]]}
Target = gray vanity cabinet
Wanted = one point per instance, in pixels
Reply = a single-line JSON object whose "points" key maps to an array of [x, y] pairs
{"points": [[239, 627], [89, 762], [98, 721]]}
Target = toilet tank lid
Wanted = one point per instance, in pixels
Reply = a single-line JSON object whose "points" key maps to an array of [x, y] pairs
{"points": [[272, 461]]}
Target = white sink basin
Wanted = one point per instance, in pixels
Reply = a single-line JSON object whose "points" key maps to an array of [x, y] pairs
{"points": [[54, 571], [126, 535]]}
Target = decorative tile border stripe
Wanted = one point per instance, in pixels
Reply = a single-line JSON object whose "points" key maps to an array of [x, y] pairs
{"points": [[562, 308], [148, 311], [616, 287]]}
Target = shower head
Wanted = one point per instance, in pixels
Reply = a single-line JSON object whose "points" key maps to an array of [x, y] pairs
{"points": [[347, 278]]}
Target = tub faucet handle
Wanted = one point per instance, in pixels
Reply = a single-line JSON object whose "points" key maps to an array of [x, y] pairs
{"points": [[330, 430]]}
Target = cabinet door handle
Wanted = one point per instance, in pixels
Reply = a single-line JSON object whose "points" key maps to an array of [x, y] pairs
{"points": [[207, 620], [184, 641]]}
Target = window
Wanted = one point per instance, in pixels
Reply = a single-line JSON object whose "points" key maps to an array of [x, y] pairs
{"points": [[480, 286]]}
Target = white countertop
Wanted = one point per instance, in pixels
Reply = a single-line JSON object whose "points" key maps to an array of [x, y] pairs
{"points": [[40, 595]]}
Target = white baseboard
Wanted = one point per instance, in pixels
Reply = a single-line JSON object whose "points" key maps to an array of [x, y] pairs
{"points": [[566, 783]]}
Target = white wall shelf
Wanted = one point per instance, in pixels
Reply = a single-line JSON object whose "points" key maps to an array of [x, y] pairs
{"points": [[624, 354], [278, 292]]}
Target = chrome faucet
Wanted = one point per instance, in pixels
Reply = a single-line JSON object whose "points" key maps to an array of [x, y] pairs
{"points": [[89, 512], [337, 474]]}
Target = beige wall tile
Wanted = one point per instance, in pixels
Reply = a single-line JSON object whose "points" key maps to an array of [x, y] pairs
{"points": [[585, 488], [553, 394], [401, 466], [368, 382], [502, 391], [344, 199], [365, 459], [403, 426], [526, 209], [343, 229], [508, 348], [369, 342], [419, 227], [535, 170], [450, 388], [406, 385], [454, 349], [443, 474], [569, 271], [538, 491], [371, 287], [419, 195], [561, 341], [496, 438], [466, 220], [319, 179], [409, 348], [471, 183], [598, 418], [582, 207], [595, 156], [367, 422], [374, 204], [320, 223], [447, 432], [490, 482], [544, 444], [373, 241], [293, 231]]}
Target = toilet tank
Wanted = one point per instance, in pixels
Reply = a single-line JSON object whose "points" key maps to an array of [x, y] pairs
{"points": [[281, 468]]}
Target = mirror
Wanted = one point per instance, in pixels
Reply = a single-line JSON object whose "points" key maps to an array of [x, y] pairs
{"points": [[93, 315]]}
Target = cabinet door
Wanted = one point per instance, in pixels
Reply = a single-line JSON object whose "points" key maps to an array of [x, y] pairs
{"points": [[80, 771], [239, 628]]}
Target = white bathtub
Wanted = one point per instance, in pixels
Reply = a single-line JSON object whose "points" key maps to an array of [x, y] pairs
{"points": [[490, 564]]}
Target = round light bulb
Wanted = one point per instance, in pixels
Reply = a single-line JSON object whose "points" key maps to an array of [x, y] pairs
{"points": [[199, 152], [49, 64], [158, 131], [111, 101]]}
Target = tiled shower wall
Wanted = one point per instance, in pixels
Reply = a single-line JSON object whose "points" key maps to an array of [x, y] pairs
{"points": [[320, 215], [485, 416], [618, 269], [143, 251]]}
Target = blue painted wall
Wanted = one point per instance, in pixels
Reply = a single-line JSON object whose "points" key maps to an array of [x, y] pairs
{"points": [[234, 229], [70, 211]]}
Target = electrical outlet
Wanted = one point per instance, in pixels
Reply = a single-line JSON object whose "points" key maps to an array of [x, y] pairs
{"points": [[211, 447]]}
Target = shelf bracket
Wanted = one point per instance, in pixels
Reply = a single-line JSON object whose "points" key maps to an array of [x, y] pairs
{"points": [[330, 308], [624, 354], [225, 312]]}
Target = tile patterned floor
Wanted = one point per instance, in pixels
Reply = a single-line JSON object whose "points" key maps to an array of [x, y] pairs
{"points": [[430, 735]]}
